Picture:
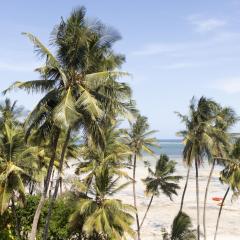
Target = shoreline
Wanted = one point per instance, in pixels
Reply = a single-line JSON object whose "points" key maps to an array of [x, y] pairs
{"points": [[163, 210]]}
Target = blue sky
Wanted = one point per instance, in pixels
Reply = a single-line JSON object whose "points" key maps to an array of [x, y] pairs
{"points": [[174, 50]]}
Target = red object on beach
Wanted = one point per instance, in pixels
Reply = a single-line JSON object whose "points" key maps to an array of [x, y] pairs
{"points": [[220, 204], [217, 199]]}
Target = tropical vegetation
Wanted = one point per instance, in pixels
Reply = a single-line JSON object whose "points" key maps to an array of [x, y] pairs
{"points": [[64, 164]]}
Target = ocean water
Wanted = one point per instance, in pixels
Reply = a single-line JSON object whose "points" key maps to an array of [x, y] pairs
{"points": [[171, 147]]}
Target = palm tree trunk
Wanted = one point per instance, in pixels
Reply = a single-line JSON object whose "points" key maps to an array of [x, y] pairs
{"points": [[145, 215], [184, 190], [51, 184], [17, 225], [197, 196], [205, 199], [54, 140], [31, 188], [61, 186], [59, 177], [219, 214], [134, 195]]}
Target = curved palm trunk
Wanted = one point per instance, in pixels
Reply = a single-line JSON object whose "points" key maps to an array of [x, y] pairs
{"points": [[197, 196], [145, 215], [219, 214], [33, 233], [184, 190], [134, 195], [205, 199], [59, 177]]}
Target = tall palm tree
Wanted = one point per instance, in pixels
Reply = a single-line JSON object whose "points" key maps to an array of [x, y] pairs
{"points": [[161, 180], [140, 141], [94, 103], [230, 175], [197, 139], [80, 86], [225, 118], [108, 218]]}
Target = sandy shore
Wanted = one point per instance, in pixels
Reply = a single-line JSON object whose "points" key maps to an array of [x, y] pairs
{"points": [[163, 210]]}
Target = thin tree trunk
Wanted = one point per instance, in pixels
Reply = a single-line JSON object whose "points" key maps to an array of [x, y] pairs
{"points": [[205, 199], [17, 225], [51, 184], [61, 186], [59, 177], [197, 196], [184, 190], [219, 214], [32, 188], [145, 215], [54, 140], [134, 195]]}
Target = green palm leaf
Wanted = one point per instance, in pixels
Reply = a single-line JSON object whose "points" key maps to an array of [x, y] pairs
{"points": [[44, 52], [65, 112], [88, 103], [33, 86]]}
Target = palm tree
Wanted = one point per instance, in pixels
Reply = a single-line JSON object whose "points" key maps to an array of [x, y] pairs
{"points": [[231, 176], [53, 143], [161, 180], [181, 228], [114, 153], [107, 218], [94, 102], [139, 140], [81, 87], [10, 112], [197, 139], [16, 158], [225, 118], [11, 144]]}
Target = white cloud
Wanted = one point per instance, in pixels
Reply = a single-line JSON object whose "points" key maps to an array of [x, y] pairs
{"points": [[183, 48], [230, 85], [206, 25]]}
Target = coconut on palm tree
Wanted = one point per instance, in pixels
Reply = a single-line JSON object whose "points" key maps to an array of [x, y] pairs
{"points": [[161, 180]]}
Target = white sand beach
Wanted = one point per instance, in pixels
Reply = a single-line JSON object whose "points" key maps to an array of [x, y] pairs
{"points": [[163, 210]]}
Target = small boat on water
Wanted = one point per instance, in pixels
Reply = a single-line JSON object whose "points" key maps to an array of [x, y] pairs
{"points": [[217, 199]]}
